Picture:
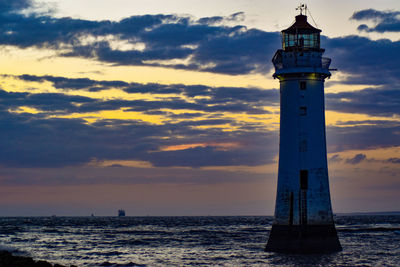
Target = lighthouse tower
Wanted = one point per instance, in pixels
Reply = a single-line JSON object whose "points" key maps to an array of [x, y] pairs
{"points": [[303, 213]]}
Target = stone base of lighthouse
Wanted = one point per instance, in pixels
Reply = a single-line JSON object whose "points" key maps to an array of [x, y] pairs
{"points": [[304, 239]]}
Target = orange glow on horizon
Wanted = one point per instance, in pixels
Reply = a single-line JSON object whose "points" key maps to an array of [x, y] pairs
{"points": [[220, 146]]}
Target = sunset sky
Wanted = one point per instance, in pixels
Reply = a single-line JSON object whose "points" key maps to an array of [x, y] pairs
{"points": [[168, 107]]}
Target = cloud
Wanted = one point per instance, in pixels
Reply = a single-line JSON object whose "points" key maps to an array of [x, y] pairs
{"points": [[385, 21], [372, 14], [118, 174], [356, 159], [37, 140], [49, 102], [394, 160], [30, 141], [236, 17], [384, 101], [73, 84], [174, 104], [363, 136], [378, 68], [207, 106], [199, 44], [15, 5], [41, 140], [255, 148], [218, 99], [228, 50], [184, 42], [335, 158]]}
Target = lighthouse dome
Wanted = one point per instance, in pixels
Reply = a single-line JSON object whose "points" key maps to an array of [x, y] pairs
{"points": [[301, 36]]}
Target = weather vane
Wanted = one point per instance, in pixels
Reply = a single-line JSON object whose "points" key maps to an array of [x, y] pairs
{"points": [[302, 7]]}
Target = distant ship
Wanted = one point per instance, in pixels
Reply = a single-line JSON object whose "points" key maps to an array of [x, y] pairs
{"points": [[121, 213]]}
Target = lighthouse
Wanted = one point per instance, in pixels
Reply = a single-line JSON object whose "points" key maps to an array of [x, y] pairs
{"points": [[303, 220]]}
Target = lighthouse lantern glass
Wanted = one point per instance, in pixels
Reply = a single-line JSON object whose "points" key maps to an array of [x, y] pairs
{"points": [[300, 40]]}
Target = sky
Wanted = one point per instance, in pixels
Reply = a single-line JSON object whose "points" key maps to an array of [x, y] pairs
{"points": [[168, 107]]}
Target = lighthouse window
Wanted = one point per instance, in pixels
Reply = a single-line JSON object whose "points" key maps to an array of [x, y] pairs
{"points": [[305, 40], [303, 85], [303, 179], [303, 111], [289, 40], [308, 40]]}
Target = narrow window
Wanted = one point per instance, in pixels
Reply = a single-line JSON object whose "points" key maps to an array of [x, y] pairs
{"points": [[303, 111], [303, 85], [303, 179]]}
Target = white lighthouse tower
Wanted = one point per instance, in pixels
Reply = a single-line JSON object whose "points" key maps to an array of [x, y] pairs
{"points": [[303, 214]]}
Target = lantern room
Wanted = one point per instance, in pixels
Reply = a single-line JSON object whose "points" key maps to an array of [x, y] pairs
{"points": [[301, 36]]}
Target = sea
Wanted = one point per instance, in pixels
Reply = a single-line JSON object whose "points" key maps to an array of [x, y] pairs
{"points": [[367, 240]]}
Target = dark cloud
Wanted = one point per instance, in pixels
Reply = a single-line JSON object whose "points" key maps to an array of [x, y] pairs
{"points": [[184, 115], [236, 17], [49, 102], [356, 159], [228, 50], [206, 47], [209, 103], [382, 101], [242, 51], [367, 61], [14, 5], [74, 84], [372, 14], [379, 135], [385, 21], [362, 27], [378, 123], [394, 160], [335, 158], [32, 141], [37, 140], [375, 102], [208, 156], [29, 140], [44, 31], [219, 99], [211, 20], [254, 148], [120, 174], [194, 44], [173, 104]]}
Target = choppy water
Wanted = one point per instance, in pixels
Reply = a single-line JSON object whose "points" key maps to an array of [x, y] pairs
{"points": [[184, 241]]}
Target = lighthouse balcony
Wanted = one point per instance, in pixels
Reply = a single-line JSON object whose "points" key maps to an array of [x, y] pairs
{"points": [[300, 59]]}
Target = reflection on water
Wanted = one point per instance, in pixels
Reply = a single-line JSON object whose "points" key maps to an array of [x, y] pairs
{"points": [[158, 241]]}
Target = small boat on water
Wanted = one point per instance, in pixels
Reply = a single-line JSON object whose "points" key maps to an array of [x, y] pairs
{"points": [[121, 213]]}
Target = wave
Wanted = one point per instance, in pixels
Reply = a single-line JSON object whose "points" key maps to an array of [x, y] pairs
{"points": [[370, 229]]}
